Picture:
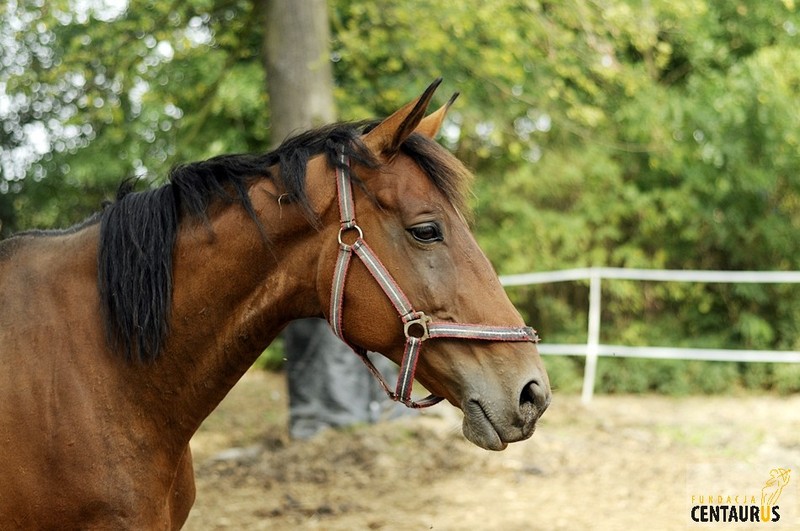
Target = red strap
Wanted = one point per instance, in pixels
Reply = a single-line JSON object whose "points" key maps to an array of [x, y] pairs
{"points": [[482, 332]]}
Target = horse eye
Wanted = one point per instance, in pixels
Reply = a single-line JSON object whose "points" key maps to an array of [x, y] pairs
{"points": [[426, 233]]}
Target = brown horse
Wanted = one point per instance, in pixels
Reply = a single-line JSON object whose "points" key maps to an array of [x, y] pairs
{"points": [[120, 335]]}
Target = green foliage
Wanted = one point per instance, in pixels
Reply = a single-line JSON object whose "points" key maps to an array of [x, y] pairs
{"points": [[787, 378], [273, 357], [121, 94], [565, 373], [613, 133], [671, 377]]}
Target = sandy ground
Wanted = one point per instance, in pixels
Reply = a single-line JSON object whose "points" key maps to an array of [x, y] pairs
{"points": [[621, 463]]}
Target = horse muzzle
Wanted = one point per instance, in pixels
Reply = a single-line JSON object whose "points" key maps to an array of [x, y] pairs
{"points": [[492, 424]]}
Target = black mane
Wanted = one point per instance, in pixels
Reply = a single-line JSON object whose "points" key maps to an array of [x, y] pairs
{"points": [[138, 230]]}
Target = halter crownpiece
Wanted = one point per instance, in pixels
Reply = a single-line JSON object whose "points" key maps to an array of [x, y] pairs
{"points": [[417, 326]]}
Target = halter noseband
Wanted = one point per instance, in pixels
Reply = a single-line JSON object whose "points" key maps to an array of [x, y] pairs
{"points": [[417, 326]]}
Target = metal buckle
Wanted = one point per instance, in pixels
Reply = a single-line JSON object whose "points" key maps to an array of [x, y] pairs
{"points": [[422, 321], [345, 229]]}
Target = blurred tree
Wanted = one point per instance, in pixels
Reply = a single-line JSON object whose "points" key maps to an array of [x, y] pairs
{"points": [[297, 63], [92, 93]]}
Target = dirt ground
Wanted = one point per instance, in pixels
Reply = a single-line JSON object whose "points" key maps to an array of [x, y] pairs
{"points": [[621, 463]]}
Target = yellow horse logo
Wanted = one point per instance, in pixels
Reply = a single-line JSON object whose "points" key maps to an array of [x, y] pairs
{"points": [[778, 478], [771, 491]]}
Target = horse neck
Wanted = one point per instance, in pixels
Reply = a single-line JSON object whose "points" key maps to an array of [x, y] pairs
{"points": [[232, 294]]}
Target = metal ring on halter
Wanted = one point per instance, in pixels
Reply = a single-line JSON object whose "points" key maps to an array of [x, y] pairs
{"points": [[422, 321], [345, 229]]}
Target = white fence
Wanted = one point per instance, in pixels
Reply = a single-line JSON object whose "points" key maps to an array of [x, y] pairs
{"points": [[594, 349]]}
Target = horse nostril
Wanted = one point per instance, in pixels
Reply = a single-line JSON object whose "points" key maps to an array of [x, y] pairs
{"points": [[537, 394]]}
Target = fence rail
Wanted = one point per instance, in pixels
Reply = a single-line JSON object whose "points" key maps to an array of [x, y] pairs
{"points": [[593, 349]]}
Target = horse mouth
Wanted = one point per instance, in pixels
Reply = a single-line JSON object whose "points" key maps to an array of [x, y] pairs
{"points": [[479, 429]]}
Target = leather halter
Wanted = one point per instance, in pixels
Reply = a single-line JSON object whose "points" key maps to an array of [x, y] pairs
{"points": [[417, 326]]}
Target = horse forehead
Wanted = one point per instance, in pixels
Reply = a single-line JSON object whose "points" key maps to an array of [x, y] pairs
{"points": [[406, 182]]}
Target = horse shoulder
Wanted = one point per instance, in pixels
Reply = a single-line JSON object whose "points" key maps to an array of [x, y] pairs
{"points": [[69, 433]]}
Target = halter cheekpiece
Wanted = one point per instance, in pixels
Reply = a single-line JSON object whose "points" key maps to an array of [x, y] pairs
{"points": [[417, 326]]}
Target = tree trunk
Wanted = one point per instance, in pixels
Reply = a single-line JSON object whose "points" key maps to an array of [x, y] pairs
{"points": [[297, 62]]}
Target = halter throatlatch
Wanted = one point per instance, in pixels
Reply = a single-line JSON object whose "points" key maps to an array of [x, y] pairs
{"points": [[417, 326]]}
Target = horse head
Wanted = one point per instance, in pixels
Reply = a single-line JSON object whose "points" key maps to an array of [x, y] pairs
{"points": [[422, 292]]}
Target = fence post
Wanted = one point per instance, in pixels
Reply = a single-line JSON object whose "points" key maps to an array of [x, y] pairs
{"points": [[593, 337]]}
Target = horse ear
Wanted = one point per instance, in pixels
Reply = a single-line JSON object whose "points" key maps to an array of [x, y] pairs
{"points": [[431, 124], [387, 137]]}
